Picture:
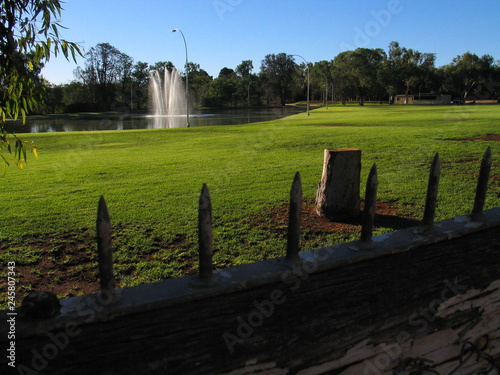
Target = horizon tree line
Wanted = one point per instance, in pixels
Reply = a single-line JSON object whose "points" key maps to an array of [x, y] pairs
{"points": [[110, 80]]}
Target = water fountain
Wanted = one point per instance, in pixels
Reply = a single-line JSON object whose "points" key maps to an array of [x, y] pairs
{"points": [[167, 97]]}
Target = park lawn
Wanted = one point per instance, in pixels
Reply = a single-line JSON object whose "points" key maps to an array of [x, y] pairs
{"points": [[151, 180]]}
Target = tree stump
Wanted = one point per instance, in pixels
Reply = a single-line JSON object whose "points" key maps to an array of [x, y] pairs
{"points": [[337, 196]]}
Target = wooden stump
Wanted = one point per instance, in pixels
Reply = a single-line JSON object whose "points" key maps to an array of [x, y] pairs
{"points": [[337, 196]]}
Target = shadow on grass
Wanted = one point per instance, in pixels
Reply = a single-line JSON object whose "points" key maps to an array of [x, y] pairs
{"points": [[381, 220]]}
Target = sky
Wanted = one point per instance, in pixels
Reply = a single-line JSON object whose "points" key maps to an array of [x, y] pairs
{"points": [[223, 33]]}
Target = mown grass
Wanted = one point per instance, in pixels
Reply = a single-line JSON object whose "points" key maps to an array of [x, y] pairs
{"points": [[151, 180]]}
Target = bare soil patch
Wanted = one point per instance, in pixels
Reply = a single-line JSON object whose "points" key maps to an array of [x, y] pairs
{"points": [[68, 266], [388, 215], [65, 265]]}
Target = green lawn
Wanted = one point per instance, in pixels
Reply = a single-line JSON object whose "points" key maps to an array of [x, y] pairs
{"points": [[151, 180]]}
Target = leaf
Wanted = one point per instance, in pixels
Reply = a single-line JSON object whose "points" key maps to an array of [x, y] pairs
{"points": [[5, 164], [54, 29], [23, 115], [25, 158]]}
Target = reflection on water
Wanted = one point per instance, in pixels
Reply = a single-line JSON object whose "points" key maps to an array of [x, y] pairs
{"points": [[222, 117], [177, 121]]}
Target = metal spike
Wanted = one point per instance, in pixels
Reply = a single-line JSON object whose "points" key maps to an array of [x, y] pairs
{"points": [[482, 184], [104, 249], [370, 204], [205, 237], [432, 192], [294, 217]]}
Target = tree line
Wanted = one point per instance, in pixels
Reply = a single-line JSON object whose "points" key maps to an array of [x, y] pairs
{"points": [[110, 79]]}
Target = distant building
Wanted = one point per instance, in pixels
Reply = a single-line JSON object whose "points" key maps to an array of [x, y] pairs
{"points": [[423, 99]]}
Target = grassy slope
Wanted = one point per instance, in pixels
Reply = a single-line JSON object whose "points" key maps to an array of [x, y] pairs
{"points": [[151, 179]]}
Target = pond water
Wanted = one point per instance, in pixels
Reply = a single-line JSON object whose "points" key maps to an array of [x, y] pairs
{"points": [[131, 121]]}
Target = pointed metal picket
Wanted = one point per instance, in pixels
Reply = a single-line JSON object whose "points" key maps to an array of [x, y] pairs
{"points": [[294, 218], [370, 204], [432, 192], [205, 236], [104, 249], [482, 184]]}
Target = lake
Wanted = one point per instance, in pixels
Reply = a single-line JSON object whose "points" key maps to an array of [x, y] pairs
{"points": [[131, 121]]}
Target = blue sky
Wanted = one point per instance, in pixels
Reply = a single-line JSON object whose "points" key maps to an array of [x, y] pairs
{"points": [[222, 33]]}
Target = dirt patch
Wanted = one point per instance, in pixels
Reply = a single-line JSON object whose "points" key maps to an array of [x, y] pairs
{"points": [[67, 265], [487, 137], [275, 220]]}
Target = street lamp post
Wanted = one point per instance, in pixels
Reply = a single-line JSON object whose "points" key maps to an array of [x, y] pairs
{"points": [[187, 75], [308, 82]]}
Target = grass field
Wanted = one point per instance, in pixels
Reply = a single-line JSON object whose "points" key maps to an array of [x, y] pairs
{"points": [[151, 180]]}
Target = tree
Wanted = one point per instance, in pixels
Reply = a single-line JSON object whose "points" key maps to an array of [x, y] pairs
{"points": [[246, 81], [223, 89], [244, 69], [140, 85], [106, 74], [320, 79], [343, 83], [406, 69], [29, 36], [358, 70], [161, 66], [54, 95], [279, 71], [76, 97], [467, 74], [199, 83], [124, 70]]}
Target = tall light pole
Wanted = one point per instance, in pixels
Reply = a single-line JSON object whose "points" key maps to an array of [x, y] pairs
{"points": [[187, 75], [308, 82]]}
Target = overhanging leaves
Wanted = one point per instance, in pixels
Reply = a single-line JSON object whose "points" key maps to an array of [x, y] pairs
{"points": [[28, 38]]}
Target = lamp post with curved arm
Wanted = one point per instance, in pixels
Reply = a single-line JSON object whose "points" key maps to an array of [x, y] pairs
{"points": [[308, 82], [187, 75]]}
